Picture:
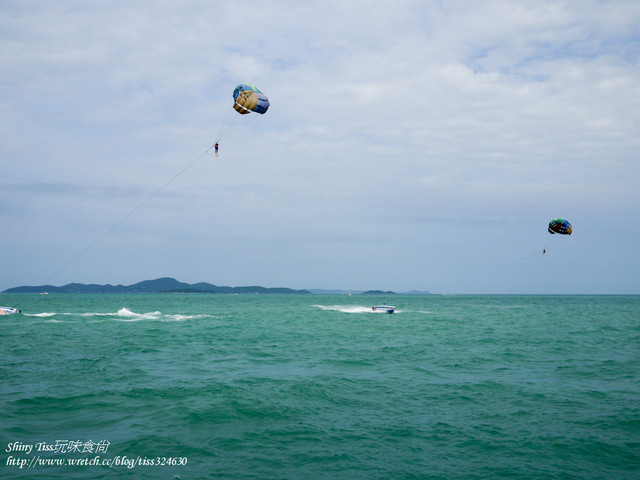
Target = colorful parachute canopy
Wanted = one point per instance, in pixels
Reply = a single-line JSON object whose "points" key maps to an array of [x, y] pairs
{"points": [[561, 226], [248, 98]]}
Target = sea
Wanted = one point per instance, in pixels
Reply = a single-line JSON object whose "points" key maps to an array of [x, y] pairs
{"points": [[306, 387]]}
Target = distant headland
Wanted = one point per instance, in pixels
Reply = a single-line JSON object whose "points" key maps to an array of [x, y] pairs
{"points": [[171, 285], [160, 285]]}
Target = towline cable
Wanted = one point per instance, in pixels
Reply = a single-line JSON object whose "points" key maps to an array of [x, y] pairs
{"points": [[133, 211]]}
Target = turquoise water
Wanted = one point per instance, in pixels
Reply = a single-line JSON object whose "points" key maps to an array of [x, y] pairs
{"points": [[319, 387]]}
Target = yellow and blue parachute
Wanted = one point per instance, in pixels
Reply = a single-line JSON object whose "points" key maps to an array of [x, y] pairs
{"points": [[247, 98], [561, 226]]}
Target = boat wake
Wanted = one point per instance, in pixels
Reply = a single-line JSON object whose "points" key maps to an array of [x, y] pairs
{"points": [[122, 315], [126, 315], [346, 308]]}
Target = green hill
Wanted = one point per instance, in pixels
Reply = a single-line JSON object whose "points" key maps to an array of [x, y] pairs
{"points": [[159, 285]]}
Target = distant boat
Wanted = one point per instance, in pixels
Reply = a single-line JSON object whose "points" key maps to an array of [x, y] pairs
{"points": [[383, 308], [8, 310]]}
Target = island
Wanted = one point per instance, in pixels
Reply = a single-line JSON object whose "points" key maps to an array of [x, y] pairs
{"points": [[171, 285], [160, 285]]}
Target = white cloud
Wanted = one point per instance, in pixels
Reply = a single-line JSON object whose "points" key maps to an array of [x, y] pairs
{"points": [[391, 125]]}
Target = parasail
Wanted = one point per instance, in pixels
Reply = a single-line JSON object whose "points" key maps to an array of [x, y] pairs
{"points": [[247, 98], [561, 226]]}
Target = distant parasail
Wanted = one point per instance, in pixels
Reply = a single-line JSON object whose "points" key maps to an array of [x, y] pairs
{"points": [[561, 226]]}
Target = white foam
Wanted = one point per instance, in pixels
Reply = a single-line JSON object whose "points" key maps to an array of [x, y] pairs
{"points": [[127, 315], [346, 308]]}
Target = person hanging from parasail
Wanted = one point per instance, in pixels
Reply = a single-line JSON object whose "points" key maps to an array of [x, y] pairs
{"points": [[247, 101]]}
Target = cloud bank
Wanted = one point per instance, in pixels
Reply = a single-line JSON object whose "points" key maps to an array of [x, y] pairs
{"points": [[415, 145]]}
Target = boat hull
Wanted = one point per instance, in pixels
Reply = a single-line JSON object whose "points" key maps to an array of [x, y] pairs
{"points": [[8, 311], [383, 309]]}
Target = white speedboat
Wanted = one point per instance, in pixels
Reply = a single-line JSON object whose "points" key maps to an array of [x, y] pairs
{"points": [[8, 310], [384, 308]]}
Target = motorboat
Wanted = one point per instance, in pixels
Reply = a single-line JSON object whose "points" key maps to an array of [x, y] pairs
{"points": [[8, 310], [383, 308]]}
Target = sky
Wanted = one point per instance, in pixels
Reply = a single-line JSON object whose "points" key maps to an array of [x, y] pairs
{"points": [[409, 145]]}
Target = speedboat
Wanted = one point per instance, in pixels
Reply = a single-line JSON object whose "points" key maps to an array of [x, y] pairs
{"points": [[383, 308], [8, 310]]}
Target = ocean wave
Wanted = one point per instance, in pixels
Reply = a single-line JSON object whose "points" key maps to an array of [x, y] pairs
{"points": [[122, 315], [346, 308], [126, 315]]}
